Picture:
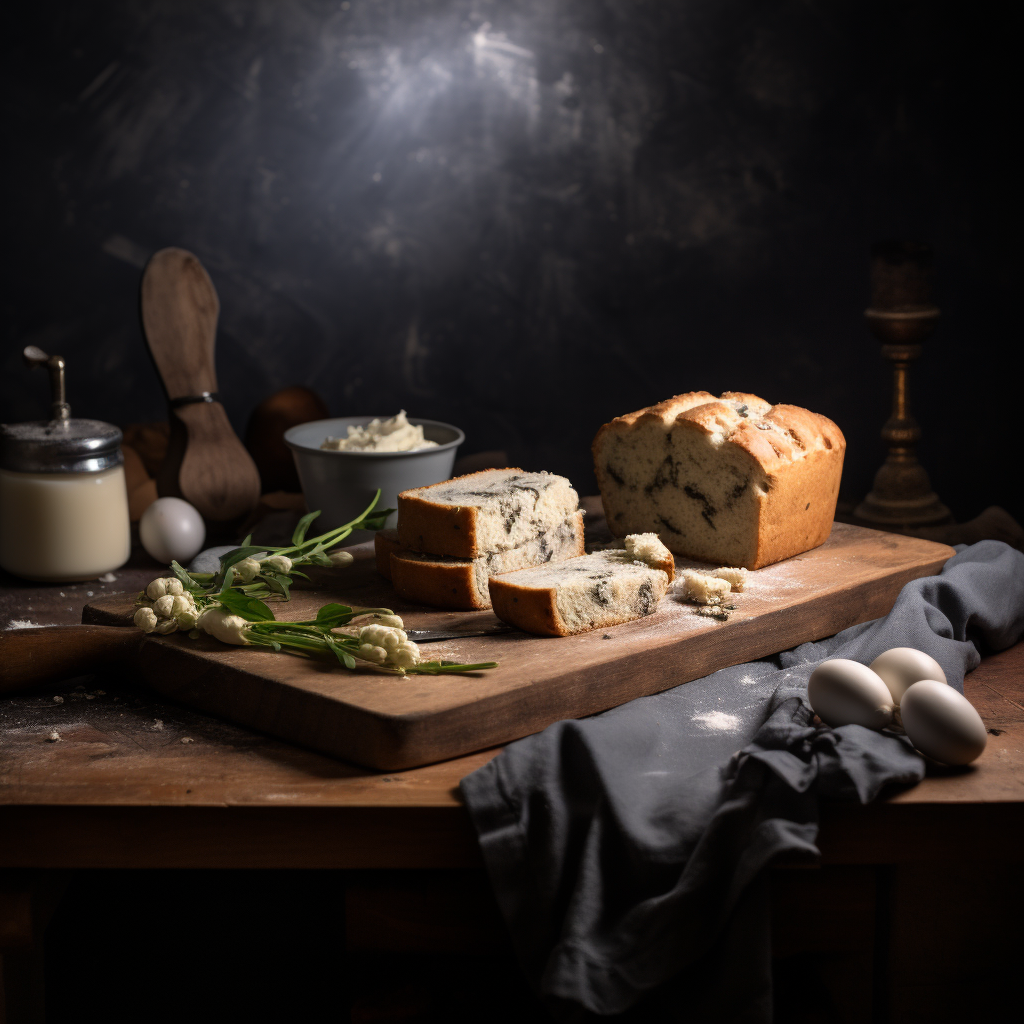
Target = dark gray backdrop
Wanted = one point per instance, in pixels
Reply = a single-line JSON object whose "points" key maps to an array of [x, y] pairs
{"points": [[524, 217]]}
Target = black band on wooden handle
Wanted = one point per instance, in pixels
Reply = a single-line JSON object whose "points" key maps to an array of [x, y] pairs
{"points": [[204, 396]]}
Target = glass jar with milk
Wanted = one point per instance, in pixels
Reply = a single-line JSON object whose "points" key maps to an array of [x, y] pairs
{"points": [[63, 500]]}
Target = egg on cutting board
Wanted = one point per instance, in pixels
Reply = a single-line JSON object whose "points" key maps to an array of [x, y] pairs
{"points": [[901, 667], [942, 723], [172, 529], [844, 692]]}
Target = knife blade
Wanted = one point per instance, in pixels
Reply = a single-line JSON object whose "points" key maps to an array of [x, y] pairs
{"points": [[429, 636]]}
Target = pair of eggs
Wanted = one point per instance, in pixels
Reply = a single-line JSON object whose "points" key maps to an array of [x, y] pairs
{"points": [[940, 722]]}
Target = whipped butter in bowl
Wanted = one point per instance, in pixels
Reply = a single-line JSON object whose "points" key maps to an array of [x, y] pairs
{"points": [[394, 435], [343, 461]]}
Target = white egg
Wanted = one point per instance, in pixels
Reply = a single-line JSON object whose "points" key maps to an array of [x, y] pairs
{"points": [[901, 667], [172, 529], [942, 723], [844, 692]]}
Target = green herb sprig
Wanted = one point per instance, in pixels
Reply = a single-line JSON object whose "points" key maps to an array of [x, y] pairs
{"points": [[271, 581], [316, 636], [241, 616]]}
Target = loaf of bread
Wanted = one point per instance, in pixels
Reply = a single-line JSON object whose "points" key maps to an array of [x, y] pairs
{"points": [[477, 514], [461, 583], [590, 592], [732, 480]]}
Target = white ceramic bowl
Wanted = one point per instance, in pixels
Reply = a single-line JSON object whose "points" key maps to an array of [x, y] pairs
{"points": [[342, 484]]}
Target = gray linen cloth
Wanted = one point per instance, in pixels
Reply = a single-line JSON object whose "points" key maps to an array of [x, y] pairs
{"points": [[627, 850]]}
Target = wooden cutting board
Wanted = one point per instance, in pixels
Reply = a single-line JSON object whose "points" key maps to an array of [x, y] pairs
{"points": [[391, 723]]}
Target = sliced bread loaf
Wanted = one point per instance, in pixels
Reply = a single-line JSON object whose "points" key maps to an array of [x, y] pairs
{"points": [[732, 480], [493, 510], [384, 543], [601, 589], [461, 583]]}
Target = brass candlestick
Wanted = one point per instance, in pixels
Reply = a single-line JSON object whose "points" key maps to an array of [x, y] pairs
{"points": [[901, 316]]}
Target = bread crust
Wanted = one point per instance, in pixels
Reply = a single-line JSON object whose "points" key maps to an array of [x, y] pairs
{"points": [[526, 608], [384, 543], [798, 453], [439, 584], [438, 529]]}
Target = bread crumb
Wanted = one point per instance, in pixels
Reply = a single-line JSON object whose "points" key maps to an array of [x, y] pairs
{"points": [[58, 700], [158, 725], [712, 611], [54, 737], [737, 577], [703, 588], [108, 577], [647, 548], [187, 739]]}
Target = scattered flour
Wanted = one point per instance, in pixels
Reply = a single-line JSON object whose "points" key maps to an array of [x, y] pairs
{"points": [[23, 624], [108, 577], [720, 721]]}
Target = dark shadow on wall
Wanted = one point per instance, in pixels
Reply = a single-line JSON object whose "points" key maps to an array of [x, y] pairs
{"points": [[523, 217]]}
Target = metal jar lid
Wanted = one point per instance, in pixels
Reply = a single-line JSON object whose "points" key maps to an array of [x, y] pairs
{"points": [[60, 446]]}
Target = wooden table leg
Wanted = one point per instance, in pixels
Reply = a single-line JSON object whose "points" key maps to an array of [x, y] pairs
{"points": [[28, 900]]}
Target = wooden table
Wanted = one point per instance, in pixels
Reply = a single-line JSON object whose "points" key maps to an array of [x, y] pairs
{"points": [[924, 879]]}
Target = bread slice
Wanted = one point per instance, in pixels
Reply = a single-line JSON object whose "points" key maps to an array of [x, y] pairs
{"points": [[732, 480], [601, 589], [461, 583], [384, 543], [493, 510]]}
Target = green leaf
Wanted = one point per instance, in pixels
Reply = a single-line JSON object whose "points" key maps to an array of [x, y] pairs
{"points": [[238, 554], [377, 521], [331, 615], [248, 607], [303, 525], [277, 582], [186, 581]]}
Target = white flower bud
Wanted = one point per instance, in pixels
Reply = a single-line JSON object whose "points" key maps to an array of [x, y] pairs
{"points": [[278, 563], [405, 655], [390, 620], [382, 636], [184, 611], [165, 585], [246, 569], [341, 559], [220, 623], [145, 619], [164, 606], [165, 626], [376, 655]]}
